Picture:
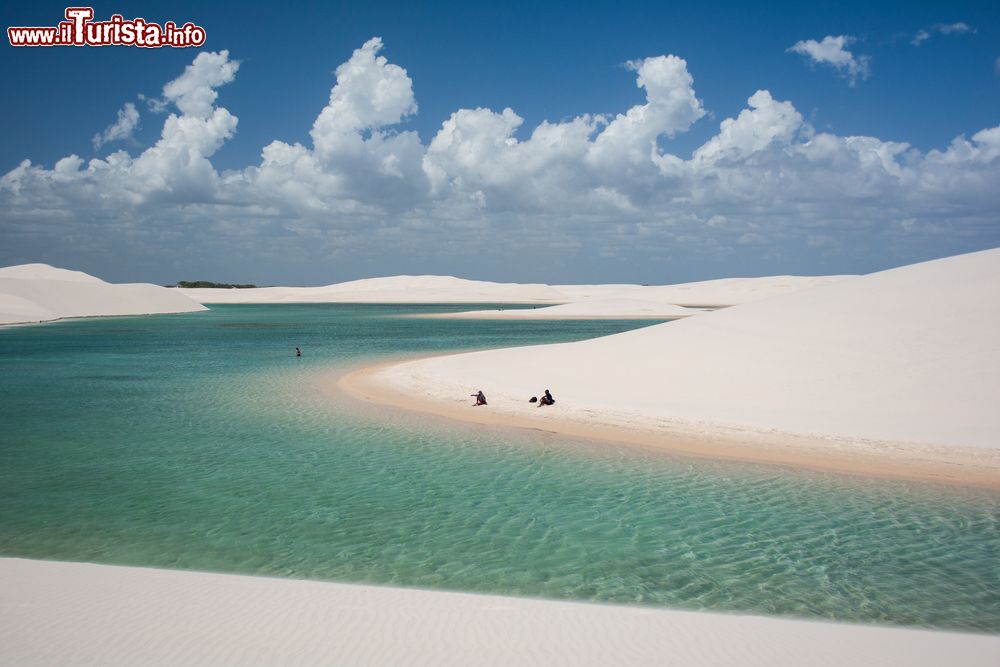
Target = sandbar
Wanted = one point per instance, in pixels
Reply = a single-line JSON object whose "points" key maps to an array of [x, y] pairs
{"points": [[961, 466]]}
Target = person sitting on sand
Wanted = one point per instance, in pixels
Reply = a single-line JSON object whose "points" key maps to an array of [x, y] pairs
{"points": [[546, 399], [480, 398]]}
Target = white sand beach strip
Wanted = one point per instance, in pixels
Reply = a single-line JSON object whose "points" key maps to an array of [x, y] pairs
{"points": [[74, 613], [659, 302], [40, 293], [900, 365], [596, 309]]}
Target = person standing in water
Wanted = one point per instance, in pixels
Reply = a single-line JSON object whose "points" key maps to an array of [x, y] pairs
{"points": [[298, 352]]}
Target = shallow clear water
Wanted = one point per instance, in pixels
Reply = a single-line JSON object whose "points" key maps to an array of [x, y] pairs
{"points": [[200, 442]]}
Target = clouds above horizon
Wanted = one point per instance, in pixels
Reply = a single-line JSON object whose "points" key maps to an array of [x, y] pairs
{"points": [[959, 28], [605, 186], [832, 52], [128, 120]]}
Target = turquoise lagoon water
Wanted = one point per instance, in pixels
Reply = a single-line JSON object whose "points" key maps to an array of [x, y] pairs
{"points": [[200, 442]]}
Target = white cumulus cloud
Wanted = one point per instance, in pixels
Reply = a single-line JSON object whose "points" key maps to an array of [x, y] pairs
{"points": [[832, 51], [176, 168], [370, 93], [128, 120], [959, 28], [586, 163], [357, 162], [764, 186], [765, 123], [194, 91]]}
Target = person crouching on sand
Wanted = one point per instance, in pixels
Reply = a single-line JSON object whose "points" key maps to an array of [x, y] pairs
{"points": [[546, 399], [480, 398]]}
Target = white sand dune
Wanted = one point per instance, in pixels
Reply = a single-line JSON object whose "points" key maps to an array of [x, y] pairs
{"points": [[40, 293], [47, 272], [16, 309], [633, 299], [395, 289], [74, 613], [708, 293], [906, 355]]}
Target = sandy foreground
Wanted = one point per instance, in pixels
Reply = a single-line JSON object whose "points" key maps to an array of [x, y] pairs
{"points": [[895, 373], [54, 613]]}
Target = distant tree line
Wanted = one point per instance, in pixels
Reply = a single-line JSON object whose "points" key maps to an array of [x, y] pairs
{"points": [[208, 283]]}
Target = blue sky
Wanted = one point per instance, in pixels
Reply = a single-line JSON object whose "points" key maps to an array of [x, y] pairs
{"points": [[785, 191]]}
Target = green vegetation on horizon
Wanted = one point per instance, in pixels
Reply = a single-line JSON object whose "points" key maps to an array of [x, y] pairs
{"points": [[207, 283]]}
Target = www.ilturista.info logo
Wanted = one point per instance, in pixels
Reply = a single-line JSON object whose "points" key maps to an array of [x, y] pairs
{"points": [[80, 30]]}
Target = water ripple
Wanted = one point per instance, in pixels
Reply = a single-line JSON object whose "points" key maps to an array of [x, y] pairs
{"points": [[198, 443]]}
